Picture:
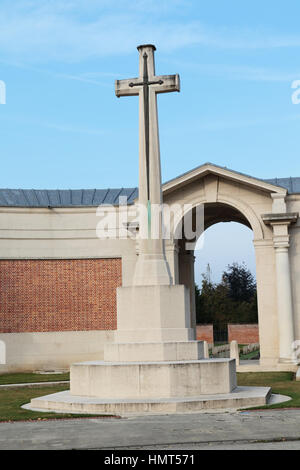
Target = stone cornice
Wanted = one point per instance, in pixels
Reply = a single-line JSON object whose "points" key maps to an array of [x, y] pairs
{"points": [[280, 219], [209, 168]]}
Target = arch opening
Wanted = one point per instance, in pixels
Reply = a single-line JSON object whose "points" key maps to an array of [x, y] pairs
{"points": [[216, 215]]}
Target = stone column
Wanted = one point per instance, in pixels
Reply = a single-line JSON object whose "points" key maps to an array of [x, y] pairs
{"points": [[267, 301], [284, 303], [280, 224]]}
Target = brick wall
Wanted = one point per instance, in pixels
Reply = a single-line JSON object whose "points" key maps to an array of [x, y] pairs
{"points": [[58, 295], [243, 334], [205, 333]]}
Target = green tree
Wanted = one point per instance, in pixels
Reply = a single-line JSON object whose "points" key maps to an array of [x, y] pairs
{"points": [[240, 282], [233, 300]]}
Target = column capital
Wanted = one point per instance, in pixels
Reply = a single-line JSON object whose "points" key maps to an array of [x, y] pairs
{"points": [[280, 223], [278, 196], [284, 218]]}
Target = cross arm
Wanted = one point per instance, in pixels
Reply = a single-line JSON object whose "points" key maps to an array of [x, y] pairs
{"points": [[170, 83], [123, 88]]}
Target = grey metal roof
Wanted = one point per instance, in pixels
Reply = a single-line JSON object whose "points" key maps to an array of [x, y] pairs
{"points": [[292, 184], [65, 197], [97, 197]]}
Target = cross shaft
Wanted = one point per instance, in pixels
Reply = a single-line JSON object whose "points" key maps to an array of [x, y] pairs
{"points": [[147, 86]]}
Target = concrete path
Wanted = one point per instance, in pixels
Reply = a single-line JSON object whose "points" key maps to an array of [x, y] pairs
{"points": [[285, 445], [185, 431], [33, 384]]}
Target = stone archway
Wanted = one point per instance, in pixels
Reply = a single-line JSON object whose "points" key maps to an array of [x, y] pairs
{"points": [[214, 213], [230, 196]]}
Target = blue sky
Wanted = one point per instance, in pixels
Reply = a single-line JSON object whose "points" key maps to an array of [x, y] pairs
{"points": [[63, 127], [223, 244]]}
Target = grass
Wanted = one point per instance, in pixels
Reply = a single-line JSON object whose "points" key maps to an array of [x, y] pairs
{"points": [[280, 382], [12, 400], [20, 378], [245, 357]]}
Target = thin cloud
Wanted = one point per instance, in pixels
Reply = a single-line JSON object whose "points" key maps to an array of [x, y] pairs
{"points": [[86, 77], [60, 127], [226, 123], [245, 123], [77, 30], [240, 72], [72, 129], [80, 78]]}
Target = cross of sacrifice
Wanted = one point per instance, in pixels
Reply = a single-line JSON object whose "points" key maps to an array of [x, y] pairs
{"points": [[147, 86]]}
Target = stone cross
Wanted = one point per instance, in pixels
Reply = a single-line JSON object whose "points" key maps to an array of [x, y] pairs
{"points": [[147, 86]]}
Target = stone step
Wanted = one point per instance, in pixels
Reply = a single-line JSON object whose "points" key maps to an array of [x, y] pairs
{"points": [[163, 379], [64, 402], [152, 352]]}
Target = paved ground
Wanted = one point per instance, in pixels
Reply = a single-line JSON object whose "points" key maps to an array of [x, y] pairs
{"points": [[289, 445], [187, 431], [33, 384]]}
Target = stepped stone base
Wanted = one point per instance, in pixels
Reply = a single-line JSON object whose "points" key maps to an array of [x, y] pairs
{"points": [[64, 402], [155, 366], [144, 380], [176, 382]]}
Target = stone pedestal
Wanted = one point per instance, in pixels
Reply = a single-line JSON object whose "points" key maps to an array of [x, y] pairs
{"points": [[153, 352], [155, 355], [153, 313], [155, 366], [152, 380], [179, 382]]}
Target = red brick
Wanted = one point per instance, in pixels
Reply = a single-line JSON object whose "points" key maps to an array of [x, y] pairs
{"points": [[243, 334], [59, 295], [205, 333]]}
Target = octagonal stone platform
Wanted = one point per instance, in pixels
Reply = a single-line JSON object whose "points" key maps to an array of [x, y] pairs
{"points": [[157, 377], [64, 402], [164, 379]]}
